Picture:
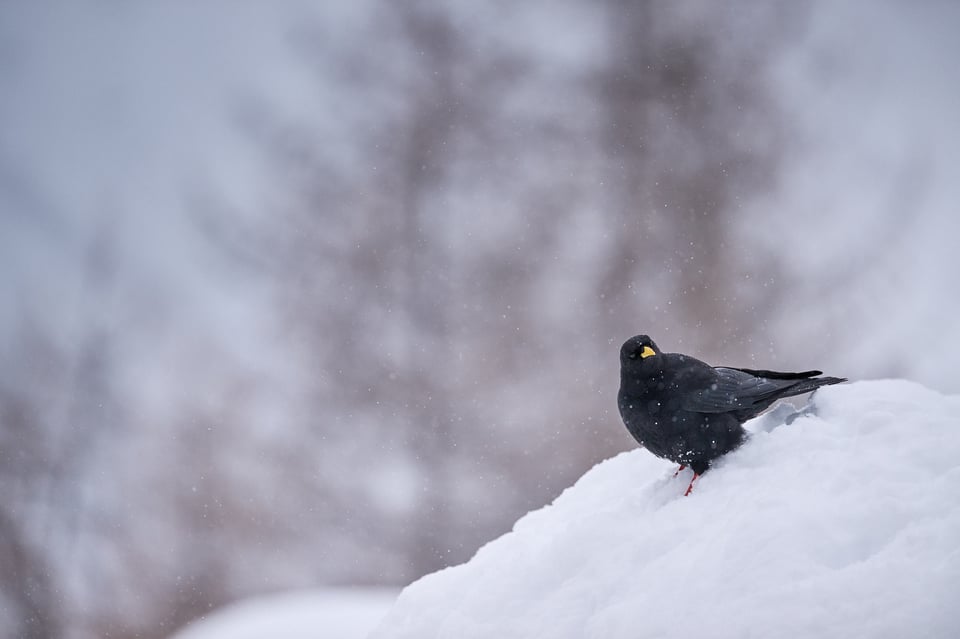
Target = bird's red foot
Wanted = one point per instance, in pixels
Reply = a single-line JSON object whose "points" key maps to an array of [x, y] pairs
{"points": [[682, 466], [690, 487]]}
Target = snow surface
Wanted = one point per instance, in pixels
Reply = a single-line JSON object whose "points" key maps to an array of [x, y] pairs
{"points": [[844, 524], [349, 613]]}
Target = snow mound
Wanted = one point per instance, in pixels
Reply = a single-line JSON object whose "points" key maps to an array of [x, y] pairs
{"points": [[345, 613], [841, 524]]}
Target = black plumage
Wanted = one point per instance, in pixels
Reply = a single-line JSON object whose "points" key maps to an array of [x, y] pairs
{"points": [[687, 411]]}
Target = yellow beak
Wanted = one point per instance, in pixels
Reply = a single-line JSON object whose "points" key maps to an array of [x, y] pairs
{"points": [[647, 352]]}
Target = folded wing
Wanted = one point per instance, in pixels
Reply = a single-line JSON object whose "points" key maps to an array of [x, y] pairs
{"points": [[737, 389]]}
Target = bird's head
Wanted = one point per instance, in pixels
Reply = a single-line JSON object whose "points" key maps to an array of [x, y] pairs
{"points": [[636, 349]]}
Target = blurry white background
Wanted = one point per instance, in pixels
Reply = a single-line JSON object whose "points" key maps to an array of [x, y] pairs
{"points": [[325, 294]]}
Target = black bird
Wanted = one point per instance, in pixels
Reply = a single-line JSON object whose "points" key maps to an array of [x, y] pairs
{"points": [[689, 412]]}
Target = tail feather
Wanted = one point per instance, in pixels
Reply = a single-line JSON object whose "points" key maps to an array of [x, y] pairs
{"points": [[808, 385]]}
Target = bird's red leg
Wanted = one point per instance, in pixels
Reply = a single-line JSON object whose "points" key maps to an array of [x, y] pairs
{"points": [[682, 466], [690, 487]]}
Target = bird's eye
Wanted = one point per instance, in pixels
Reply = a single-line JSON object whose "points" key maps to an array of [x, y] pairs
{"points": [[633, 355]]}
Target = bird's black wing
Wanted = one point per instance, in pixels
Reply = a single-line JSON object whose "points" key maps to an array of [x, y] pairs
{"points": [[732, 389], [778, 374]]}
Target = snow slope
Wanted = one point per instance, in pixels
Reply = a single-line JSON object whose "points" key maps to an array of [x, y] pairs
{"points": [[845, 524]]}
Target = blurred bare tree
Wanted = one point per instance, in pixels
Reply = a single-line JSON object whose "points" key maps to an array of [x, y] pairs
{"points": [[690, 133], [28, 580]]}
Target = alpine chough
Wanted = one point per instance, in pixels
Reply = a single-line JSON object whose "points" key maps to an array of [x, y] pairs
{"points": [[689, 412]]}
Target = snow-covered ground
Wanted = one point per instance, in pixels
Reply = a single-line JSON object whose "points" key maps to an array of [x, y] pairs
{"points": [[844, 524], [348, 613]]}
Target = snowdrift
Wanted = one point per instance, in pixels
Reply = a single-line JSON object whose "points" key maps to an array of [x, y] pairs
{"points": [[841, 524], [337, 613]]}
